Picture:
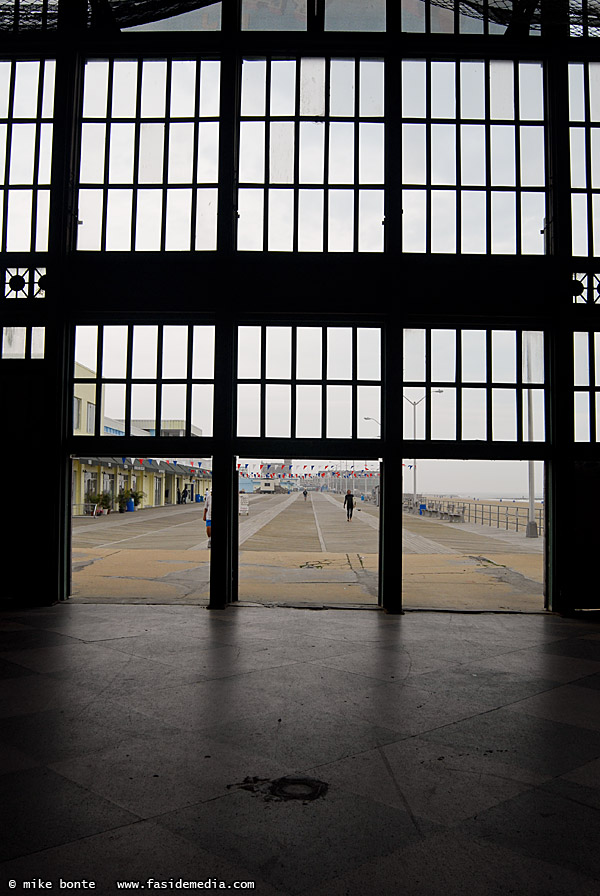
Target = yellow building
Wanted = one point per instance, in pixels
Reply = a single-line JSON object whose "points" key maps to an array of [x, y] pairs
{"points": [[160, 482]]}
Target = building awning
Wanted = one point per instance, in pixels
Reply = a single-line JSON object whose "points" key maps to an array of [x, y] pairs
{"points": [[89, 461], [152, 466], [179, 470]]}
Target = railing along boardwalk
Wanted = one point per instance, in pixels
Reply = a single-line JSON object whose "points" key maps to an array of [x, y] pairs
{"points": [[510, 516]]}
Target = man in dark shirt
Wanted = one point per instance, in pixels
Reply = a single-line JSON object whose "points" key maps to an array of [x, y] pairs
{"points": [[349, 504]]}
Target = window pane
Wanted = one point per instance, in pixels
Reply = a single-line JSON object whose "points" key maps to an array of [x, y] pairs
{"points": [[86, 348], [143, 407], [504, 414], [278, 411], [473, 356], [145, 342], [414, 355], [339, 412], [369, 353], [249, 352], [443, 414], [369, 405], [339, 353], [473, 415], [309, 353], [504, 359], [113, 406], [443, 355], [413, 410], [114, 356], [248, 410], [308, 412], [279, 347], [13, 342], [202, 409], [203, 363], [174, 355]]}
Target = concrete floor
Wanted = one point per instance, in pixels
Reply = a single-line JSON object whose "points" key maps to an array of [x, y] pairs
{"points": [[461, 752], [305, 553]]}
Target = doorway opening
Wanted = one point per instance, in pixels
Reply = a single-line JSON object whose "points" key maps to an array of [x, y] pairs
{"points": [[473, 535], [298, 543], [137, 530]]}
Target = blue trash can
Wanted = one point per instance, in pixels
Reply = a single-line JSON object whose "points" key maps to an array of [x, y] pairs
{"points": [[131, 504]]}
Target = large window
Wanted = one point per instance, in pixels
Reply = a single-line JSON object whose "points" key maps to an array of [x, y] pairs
{"points": [[474, 384], [146, 379], [586, 381], [309, 382], [26, 111], [149, 155], [584, 131], [473, 163], [311, 166]]}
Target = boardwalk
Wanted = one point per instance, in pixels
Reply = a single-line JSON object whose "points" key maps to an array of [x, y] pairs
{"points": [[304, 553]]}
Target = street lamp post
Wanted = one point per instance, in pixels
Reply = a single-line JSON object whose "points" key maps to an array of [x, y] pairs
{"points": [[379, 425], [414, 407], [531, 530]]}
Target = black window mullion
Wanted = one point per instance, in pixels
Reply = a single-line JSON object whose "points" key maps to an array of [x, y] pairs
{"points": [[327, 126], [517, 136], [427, 148], [195, 150], [588, 159], [99, 382], [427, 386], [189, 385], [458, 384], [129, 374], [267, 155], [296, 180], [521, 386], [458, 144], [489, 386], [159, 380], [354, 382], [263, 378], [36, 157], [8, 148], [488, 156], [165, 177], [356, 190], [592, 386], [324, 382], [107, 145], [136, 156], [294, 382]]}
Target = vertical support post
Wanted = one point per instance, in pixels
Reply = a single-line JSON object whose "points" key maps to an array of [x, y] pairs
{"points": [[224, 523], [559, 357], [72, 16], [390, 505]]}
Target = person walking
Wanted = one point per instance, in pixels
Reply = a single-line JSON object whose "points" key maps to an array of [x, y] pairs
{"points": [[349, 504], [207, 515], [305, 493]]}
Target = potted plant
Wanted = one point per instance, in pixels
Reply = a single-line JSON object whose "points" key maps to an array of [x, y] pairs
{"points": [[123, 498], [106, 501], [134, 499], [102, 503], [94, 501]]}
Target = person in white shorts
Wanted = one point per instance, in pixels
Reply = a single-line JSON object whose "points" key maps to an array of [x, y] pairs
{"points": [[207, 514]]}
